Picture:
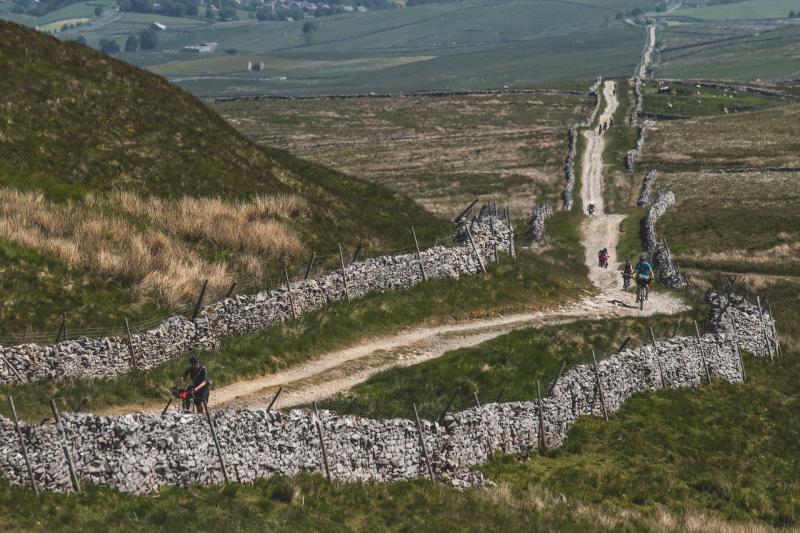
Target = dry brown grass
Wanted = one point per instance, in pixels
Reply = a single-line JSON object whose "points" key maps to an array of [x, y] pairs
{"points": [[151, 243], [537, 498]]}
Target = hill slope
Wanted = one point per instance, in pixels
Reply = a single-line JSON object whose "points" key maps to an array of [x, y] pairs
{"points": [[139, 191]]}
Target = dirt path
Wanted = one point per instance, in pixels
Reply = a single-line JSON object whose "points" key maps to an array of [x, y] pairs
{"points": [[647, 56], [602, 230], [340, 370]]}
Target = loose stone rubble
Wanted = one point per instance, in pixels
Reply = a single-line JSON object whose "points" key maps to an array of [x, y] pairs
{"points": [[140, 453], [87, 358]]}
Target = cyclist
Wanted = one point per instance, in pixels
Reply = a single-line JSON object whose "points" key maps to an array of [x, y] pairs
{"points": [[590, 209], [198, 373], [627, 274], [644, 273], [602, 257]]}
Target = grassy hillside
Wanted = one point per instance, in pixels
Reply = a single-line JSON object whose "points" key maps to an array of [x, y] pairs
{"points": [[138, 192]]}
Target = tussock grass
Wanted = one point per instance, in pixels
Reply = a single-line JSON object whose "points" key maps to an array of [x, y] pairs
{"points": [[152, 246], [310, 503]]}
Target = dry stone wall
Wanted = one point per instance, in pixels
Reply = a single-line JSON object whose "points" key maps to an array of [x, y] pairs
{"points": [[140, 453], [87, 358], [539, 215], [569, 168], [646, 191], [666, 269]]}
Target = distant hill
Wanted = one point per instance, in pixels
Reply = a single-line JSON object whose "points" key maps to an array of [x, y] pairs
{"points": [[115, 182]]}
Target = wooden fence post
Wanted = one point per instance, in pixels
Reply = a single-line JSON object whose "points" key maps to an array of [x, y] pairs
{"points": [[310, 265], [658, 358], [475, 249], [216, 444], [131, 348], [65, 445], [199, 303], [764, 329], [419, 256], [357, 252], [289, 290], [560, 372], [447, 405], [274, 399], [774, 329], [511, 248], [599, 386], [702, 352], [542, 445], [464, 212], [344, 274], [321, 442], [422, 444], [22, 446], [230, 291], [62, 327], [736, 344], [13, 369]]}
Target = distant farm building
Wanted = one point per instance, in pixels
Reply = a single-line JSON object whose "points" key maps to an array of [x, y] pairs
{"points": [[158, 26], [202, 48]]}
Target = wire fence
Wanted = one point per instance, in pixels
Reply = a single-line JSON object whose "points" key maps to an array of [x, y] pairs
{"points": [[315, 265]]}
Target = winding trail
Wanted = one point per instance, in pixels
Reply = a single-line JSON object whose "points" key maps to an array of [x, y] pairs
{"points": [[339, 370], [647, 55]]}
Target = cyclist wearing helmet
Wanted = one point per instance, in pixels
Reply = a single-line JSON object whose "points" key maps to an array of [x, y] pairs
{"points": [[644, 273], [198, 373]]}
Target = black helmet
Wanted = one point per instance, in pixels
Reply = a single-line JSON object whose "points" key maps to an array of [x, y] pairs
{"points": [[193, 360]]}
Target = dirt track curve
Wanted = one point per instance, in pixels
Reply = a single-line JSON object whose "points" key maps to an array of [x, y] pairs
{"points": [[340, 370]]}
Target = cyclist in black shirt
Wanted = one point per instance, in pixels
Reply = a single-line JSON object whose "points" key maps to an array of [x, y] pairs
{"points": [[198, 373]]}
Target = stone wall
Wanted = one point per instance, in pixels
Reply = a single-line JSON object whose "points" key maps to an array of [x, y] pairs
{"points": [[415, 94], [86, 358], [637, 101], [667, 271], [636, 152], [646, 191], [569, 168], [539, 214], [140, 453]]}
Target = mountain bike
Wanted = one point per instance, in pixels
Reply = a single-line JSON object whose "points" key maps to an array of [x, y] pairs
{"points": [[641, 294]]}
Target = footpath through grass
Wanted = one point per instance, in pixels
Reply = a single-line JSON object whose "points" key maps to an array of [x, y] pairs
{"points": [[530, 282]]}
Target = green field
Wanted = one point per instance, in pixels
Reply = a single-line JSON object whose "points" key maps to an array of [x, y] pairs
{"points": [[472, 44], [751, 10], [735, 52]]}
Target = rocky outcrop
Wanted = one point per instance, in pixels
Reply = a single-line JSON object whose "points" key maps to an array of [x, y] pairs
{"points": [[95, 358], [140, 453]]}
